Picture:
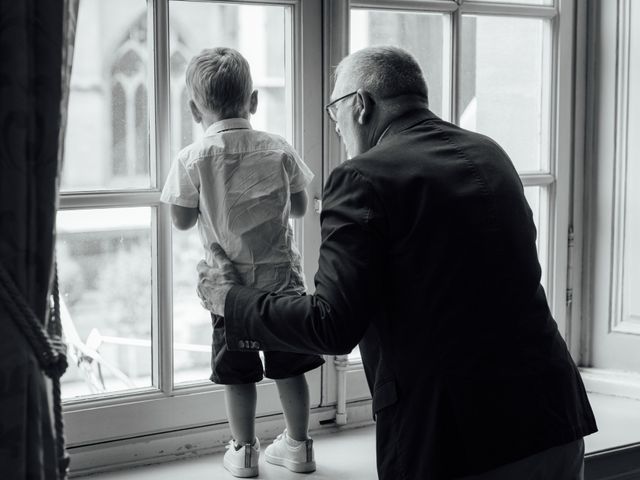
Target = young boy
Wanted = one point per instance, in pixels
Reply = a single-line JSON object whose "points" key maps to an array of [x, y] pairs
{"points": [[240, 186]]}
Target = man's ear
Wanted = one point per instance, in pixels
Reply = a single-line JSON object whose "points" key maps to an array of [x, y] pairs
{"points": [[365, 105], [253, 102], [195, 112]]}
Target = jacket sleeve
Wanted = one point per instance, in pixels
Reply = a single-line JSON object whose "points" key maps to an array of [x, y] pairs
{"points": [[348, 281]]}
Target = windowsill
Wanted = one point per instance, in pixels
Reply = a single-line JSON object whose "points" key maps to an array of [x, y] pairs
{"points": [[611, 382], [618, 421], [329, 446]]}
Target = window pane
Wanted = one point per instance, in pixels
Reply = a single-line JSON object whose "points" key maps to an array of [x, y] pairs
{"points": [[104, 265], [259, 33], [107, 138], [425, 35], [504, 85], [192, 327], [537, 200]]}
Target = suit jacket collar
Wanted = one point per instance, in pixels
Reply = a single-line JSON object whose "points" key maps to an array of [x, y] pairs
{"points": [[404, 122]]}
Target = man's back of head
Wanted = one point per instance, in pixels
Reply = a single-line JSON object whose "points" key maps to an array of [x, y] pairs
{"points": [[383, 71]]}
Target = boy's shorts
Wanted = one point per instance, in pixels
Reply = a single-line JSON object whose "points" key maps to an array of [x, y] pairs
{"points": [[232, 367]]}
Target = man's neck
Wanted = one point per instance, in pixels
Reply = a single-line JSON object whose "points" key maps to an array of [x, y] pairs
{"points": [[392, 111]]}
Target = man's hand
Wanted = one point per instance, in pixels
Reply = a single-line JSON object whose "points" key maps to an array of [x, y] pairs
{"points": [[214, 283]]}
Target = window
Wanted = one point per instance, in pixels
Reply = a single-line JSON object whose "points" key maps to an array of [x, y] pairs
{"points": [[139, 339], [107, 138], [105, 251], [499, 83], [106, 280], [426, 35]]}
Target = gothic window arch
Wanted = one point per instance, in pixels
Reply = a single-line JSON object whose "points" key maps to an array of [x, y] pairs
{"points": [[129, 102], [129, 111]]}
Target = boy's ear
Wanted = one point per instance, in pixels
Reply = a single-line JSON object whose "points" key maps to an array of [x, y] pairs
{"points": [[365, 104], [253, 102], [195, 112]]}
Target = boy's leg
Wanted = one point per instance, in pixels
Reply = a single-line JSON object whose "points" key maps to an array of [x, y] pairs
{"points": [[241, 410], [294, 396]]}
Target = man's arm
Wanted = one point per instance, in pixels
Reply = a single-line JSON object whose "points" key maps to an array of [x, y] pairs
{"points": [[349, 282], [183, 217]]}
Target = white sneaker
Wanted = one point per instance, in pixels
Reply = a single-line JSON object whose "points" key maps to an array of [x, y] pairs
{"points": [[242, 460], [286, 452]]}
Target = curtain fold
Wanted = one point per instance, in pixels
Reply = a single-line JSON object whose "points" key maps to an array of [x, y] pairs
{"points": [[36, 42]]}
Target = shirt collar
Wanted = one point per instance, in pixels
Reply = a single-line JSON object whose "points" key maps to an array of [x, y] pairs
{"points": [[404, 122], [228, 124]]}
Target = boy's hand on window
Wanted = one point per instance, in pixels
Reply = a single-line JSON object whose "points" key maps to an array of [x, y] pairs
{"points": [[214, 282]]}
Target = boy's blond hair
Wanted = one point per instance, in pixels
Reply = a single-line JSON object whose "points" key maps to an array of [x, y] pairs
{"points": [[219, 80]]}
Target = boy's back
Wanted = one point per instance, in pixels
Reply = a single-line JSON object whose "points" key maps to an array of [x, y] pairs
{"points": [[241, 180], [240, 186]]}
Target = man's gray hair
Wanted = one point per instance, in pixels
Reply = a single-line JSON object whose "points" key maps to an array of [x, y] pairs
{"points": [[219, 80], [384, 71]]}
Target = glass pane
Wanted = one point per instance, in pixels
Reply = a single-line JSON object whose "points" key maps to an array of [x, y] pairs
{"points": [[505, 80], [537, 200], [425, 35], [107, 138], [533, 199], [192, 328], [104, 265], [259, 33]]}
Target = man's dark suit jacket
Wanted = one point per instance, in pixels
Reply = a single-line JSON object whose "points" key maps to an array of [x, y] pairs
{"points": [[429, 260]]}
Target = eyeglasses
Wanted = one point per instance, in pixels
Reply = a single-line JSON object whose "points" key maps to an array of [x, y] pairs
{"points": [[332, 107]]}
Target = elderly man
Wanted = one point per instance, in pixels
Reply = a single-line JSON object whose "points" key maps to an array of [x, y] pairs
{"points": [[428, 260]]}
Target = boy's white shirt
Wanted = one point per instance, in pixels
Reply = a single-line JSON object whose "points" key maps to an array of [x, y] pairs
{"points": [[240, 180]]}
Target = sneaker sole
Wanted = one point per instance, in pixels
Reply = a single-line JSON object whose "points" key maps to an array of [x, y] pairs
{"points": [[241, 472], [297, 467]]}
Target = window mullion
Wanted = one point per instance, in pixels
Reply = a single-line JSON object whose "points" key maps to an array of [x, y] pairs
{"points": [[561, 162], [512, 10], [111, 199], [407, 5], [160, 154]]}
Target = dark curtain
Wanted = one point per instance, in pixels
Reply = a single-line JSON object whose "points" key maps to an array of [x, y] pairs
{"points": [[36, 39]]}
